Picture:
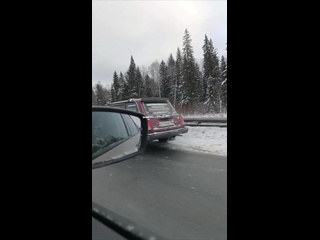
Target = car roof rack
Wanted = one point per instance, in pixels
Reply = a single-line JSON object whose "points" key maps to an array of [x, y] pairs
{"points": [[144, 99], [154, 99]]}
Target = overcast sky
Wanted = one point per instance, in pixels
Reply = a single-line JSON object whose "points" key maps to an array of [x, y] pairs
{"points": [[151, 30]]}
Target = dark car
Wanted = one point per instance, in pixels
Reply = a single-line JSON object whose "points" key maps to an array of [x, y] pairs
{"points": [[156, 193], [116, 136], [164, 123]]}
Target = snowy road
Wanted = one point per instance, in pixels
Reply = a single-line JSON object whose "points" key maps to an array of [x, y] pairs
{"points": [[172, 193]]}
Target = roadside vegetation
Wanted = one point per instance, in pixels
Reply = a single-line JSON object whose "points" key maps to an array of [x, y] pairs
{"points": [[193, 87]]}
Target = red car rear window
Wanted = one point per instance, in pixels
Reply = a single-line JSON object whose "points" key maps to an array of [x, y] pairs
{"points": [[158, 108]]}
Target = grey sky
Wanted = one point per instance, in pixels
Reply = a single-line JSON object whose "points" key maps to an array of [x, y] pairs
{"points": [[151, 30]]}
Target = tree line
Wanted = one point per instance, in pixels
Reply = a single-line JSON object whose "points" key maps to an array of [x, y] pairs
{"points": [[189, 87]]}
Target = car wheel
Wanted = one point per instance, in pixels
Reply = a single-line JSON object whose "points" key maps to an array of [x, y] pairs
{"points": [[163, 139]]}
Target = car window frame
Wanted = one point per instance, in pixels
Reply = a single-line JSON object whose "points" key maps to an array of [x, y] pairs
{"points": [[114, 145], [130, 133], [143, 140]]}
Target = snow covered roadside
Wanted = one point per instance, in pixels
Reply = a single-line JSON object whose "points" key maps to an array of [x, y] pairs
{"points": [[202, 139], [219, 115]]}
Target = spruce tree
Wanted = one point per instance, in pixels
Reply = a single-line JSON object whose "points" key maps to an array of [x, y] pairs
{"points": [[121, 87], [149, 87], [211, 76], [164, 80], [189, 72], [207, 65], [215, 61], [107, 93], [223, 67], [129, 88], [94, 100], [116, 86], [179, 76], [138, 85], [113, 93], [216, 78], [210, 102], [171, 77], [199, 84], [101, 98]]}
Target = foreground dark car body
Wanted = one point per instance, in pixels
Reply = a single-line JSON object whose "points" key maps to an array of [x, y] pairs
{"points": [[164, 123], [117, 135]]}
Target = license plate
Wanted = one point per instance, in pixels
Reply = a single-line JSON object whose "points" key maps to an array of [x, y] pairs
{"points": [[166, 123]]}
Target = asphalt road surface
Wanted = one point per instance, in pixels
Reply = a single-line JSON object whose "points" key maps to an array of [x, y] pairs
{"points": [[174, 194]]}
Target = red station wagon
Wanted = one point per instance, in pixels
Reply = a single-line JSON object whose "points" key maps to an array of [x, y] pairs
{"points": [[164, 123]]}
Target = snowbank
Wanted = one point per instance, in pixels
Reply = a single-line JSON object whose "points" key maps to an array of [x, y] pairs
{"points": [[203, 139], [220, 115]]}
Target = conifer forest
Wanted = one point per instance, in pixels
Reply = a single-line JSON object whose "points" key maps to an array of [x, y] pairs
{"points": [[193, 87]]}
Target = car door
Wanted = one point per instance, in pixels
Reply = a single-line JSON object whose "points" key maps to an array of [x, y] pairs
{"points": [[113, 135]]}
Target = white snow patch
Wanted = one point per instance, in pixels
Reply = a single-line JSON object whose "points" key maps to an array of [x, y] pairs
{"points": [[202, 139], [218, 115]]}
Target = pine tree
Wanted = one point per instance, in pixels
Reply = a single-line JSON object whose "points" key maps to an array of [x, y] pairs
{"points": [[94, 100], [199, 84], [223, 67], [171, 77], [115, 88], [211, 76], [107, 94], [113, 93], [149, 87], [179, 76], [213, 100], [138, 86], [215, 61], [121, 87], [101, 97], [129, 87], [217, 78], [189, 85], [207, 65], [164, 80]]}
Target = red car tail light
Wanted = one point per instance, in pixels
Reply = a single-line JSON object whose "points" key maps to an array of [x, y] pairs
{"points": [[181, 120], [150, 128]]}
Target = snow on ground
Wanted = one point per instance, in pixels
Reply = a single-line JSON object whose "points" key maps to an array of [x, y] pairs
{"points": [[202, 139], [219, 115]]}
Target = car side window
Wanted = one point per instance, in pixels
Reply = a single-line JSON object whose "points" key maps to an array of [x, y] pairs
{"points": [[107, 130], [131, 125], [132, 107], [117, 105]]}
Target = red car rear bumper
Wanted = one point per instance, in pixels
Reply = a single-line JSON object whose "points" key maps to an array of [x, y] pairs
{"points": [[167, 134]]}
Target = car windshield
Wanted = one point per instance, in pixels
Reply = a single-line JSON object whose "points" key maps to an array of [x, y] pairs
{"points": [[166, 62]]}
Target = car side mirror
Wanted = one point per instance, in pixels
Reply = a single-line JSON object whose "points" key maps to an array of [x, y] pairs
{"points": [[117, 135]]}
